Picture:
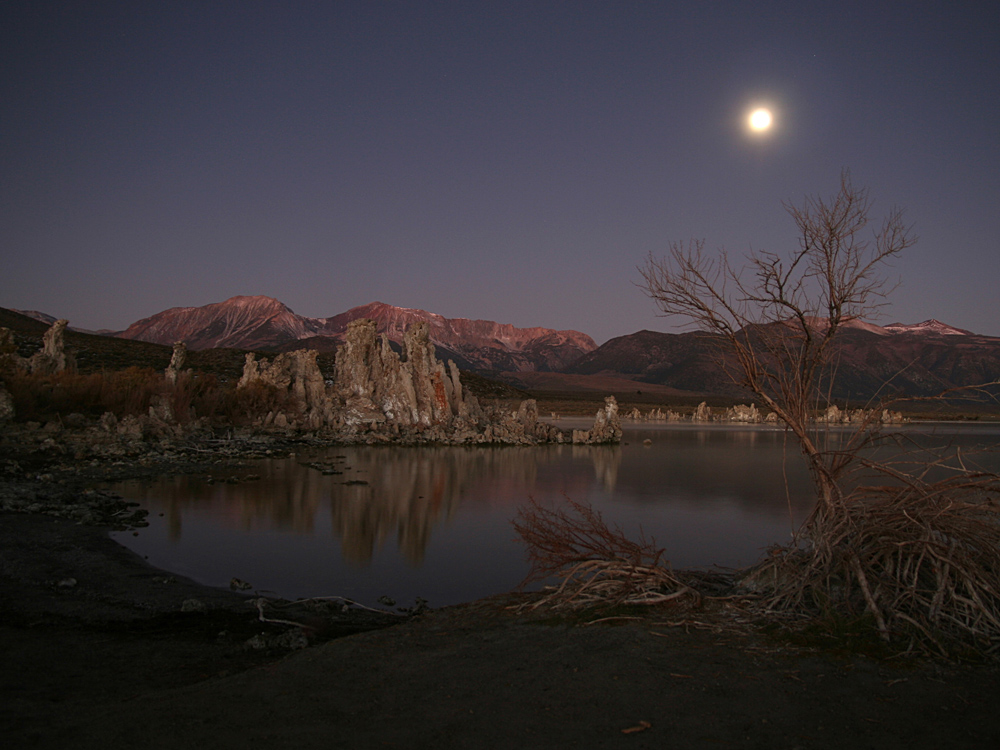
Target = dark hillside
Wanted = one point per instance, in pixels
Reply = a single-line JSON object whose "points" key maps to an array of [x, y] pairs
{"points": [[20, 323], [685, 361], [867, 364], [95, 353]]}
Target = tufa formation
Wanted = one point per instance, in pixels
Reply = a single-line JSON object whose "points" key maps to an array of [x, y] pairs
{"points": [[377, 395]]}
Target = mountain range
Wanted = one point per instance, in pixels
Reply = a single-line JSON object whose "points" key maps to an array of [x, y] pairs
{"points": [[264, 323], [920, 359]]}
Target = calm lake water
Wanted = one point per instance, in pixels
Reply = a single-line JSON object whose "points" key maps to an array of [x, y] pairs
{"points": [[435, 522]]}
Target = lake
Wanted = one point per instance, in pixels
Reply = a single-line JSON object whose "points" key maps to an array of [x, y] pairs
{"points": [[435, 522]]}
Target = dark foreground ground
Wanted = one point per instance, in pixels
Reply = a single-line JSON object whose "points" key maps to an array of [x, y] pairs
{"points": [[113, 662]]}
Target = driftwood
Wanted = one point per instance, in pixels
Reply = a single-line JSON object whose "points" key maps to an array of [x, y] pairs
{"points": [[262, 602]]}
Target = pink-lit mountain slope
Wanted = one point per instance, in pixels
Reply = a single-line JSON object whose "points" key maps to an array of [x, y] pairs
{"points": [[266, 323], [238, 323], [482, 344]]}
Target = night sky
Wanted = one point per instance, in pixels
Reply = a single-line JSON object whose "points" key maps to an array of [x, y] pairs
{"points": [[506, 161]]}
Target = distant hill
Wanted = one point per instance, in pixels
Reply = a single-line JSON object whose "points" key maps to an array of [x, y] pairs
{"points": [[17, 321], [239, 322], [917, 360], [48, 320], [685, 361]]}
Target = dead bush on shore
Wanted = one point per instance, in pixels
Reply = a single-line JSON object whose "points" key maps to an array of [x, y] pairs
{"points": [[253, 401], [914, 553], [921, 558], [597, 564]]}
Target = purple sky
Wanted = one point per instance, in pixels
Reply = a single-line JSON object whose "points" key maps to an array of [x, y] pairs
{"points": [[507, 161]]}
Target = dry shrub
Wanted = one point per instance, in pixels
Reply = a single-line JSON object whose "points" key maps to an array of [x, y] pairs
{"points": [[47, 397], [43, 398], [131, 391], [921, 560], [223, 403], [196, 395], [253, 401], [200, 395], [598, 564]]}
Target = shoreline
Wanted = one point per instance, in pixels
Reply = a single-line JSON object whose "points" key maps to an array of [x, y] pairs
{"points": [[104, 650], [114, 662]]}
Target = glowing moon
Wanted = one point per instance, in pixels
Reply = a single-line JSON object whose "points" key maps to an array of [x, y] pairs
{"points": [[760, 120]]}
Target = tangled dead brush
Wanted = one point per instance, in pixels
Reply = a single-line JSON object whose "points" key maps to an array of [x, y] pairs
{"points": [[921, 559], [597, 564]]}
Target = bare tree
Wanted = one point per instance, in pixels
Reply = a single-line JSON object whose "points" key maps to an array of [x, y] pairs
{"points": [[916, 552], [778, 314]]}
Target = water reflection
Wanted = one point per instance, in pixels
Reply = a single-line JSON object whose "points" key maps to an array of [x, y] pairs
{"points": [[373, 493], [435, 522]]}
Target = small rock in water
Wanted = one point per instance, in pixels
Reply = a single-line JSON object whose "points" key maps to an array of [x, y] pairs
{"points": [[67, 583], [193, 605]]}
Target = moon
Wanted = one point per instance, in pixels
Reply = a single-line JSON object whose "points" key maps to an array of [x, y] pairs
{"points": [[760, 120]]}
